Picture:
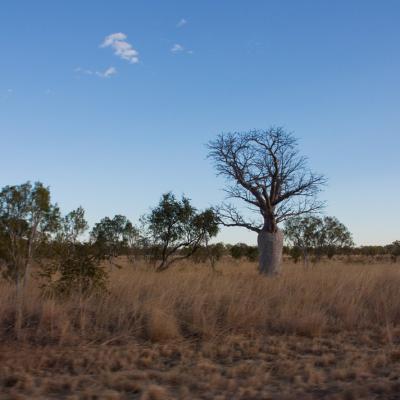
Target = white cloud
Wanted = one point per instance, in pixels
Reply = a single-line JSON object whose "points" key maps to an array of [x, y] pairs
{"points": [[177, 48], [110, 71], [121, 47], [182, 22], [110, 39]]}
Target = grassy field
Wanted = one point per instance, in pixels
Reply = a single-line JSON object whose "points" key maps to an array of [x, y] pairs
{"points": [[329, 331]]}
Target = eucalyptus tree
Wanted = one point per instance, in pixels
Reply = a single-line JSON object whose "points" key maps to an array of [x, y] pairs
{"points": [[265, 171], [115, 235], [175, 229], [335, 236], [304, 234], [320, 235], [27, 217]]}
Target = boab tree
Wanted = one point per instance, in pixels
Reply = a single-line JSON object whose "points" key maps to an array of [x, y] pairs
{"points": [[266, 172]]}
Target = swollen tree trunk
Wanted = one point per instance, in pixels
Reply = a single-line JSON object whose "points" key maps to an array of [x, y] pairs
{"points": [[270, 246]]}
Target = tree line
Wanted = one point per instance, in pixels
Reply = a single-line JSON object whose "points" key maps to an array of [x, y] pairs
{"points": [[264, 172], [33, 230], [70, 257]]}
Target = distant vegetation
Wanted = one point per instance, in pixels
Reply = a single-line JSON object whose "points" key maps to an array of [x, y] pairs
{"points": [[33, 230], [263, 170]]}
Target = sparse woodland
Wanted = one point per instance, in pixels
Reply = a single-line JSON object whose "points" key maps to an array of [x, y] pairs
{"points": [[158, 309]]}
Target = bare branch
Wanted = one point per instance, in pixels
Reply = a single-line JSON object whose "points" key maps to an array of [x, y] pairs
{"points": [[228, 215], [264, 170]]}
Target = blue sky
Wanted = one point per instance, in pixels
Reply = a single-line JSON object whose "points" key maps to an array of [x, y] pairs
{"points": [[111, 132]]}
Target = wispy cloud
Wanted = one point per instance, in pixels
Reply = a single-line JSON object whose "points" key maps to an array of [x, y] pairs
{"points": [[107, 73], [110, 71], [182, 22], [83, 71], [122, 48], [7, 94], [177, 48]]}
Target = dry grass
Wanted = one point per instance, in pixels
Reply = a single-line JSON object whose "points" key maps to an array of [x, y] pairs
{"points": [[192, 302], [330, 331]]}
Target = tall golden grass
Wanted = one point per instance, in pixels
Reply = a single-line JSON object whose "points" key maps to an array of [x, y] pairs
{"points": [[192, 302]]}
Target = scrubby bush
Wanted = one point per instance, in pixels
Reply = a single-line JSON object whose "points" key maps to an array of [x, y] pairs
{"points": [[394, 250], [241, 250], [70, 265], [211, 253]]}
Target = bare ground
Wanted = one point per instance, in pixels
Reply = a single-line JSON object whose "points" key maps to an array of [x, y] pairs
{"points": [[348, 366]]}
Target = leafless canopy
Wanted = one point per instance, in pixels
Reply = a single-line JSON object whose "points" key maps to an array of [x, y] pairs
{"points": [[264, 169]]}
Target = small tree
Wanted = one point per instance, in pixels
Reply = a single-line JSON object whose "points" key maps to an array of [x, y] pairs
{"points": [[26, 218], [241, 250], [214, 253], [71, 265], [175, 225], [295, 253], [371, 251], [394, 250], [115, 236], [319, 235], [237, 251], [336, 237], [266, 173], [304, 234], [252, 253], [211, 253]]}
